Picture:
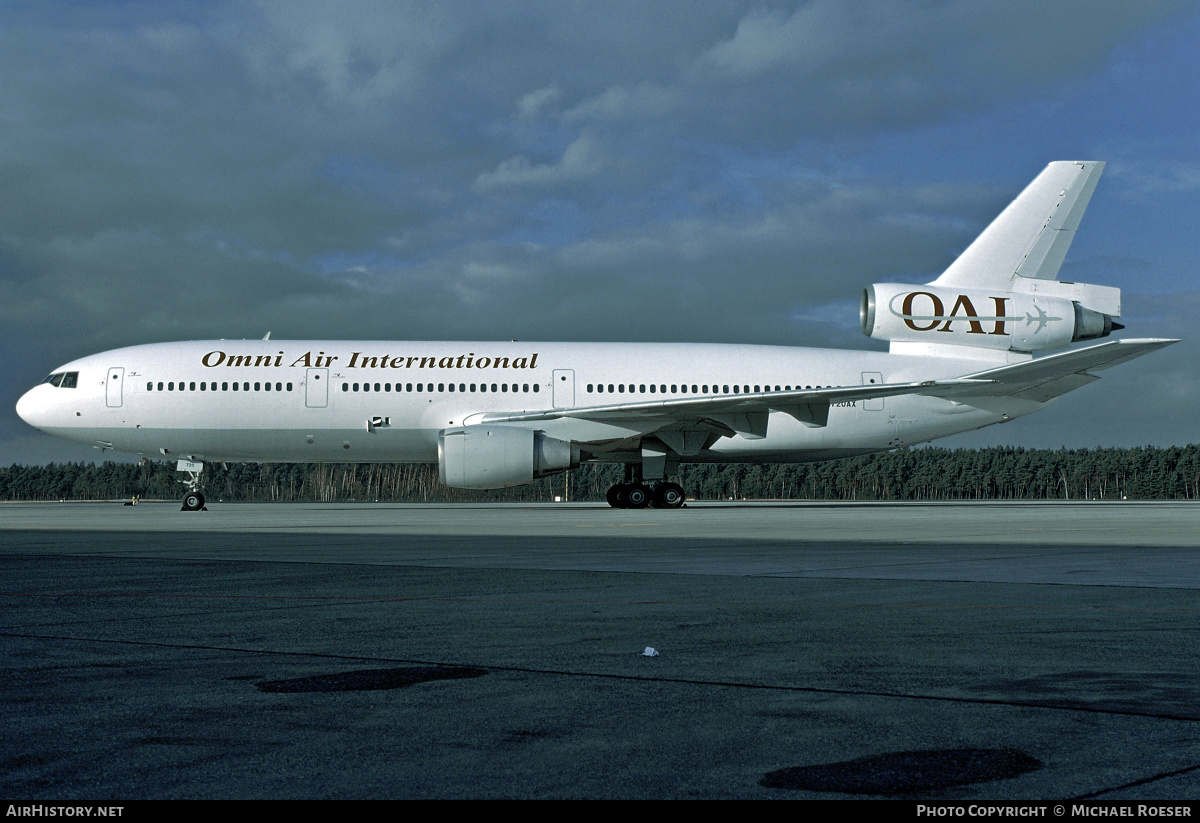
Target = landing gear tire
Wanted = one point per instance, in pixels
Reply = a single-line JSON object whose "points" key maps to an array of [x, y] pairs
{"points": [[616, 496], [193, 502], [637, 496], [668, 496]]}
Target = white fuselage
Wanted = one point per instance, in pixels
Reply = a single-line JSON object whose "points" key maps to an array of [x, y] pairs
{"points": [[359, 401]]}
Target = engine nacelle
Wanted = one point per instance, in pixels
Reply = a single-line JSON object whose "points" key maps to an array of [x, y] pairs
{"points": [[496, 457], [1005, 320]]}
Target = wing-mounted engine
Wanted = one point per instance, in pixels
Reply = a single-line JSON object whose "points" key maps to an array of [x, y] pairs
{"points": [[496, 457], [1040, 315]]}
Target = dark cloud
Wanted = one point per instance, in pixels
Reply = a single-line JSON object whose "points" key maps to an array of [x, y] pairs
{"points": [[622, 170]]}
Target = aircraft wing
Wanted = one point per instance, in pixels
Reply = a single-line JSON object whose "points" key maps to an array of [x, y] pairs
{"points": [[746, 414], [809, 406]]}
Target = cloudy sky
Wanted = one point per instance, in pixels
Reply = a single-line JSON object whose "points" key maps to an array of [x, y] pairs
{"points": [[673, 171]]}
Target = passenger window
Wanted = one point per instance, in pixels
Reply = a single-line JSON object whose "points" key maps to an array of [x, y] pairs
{"points": [[376, 387], [224, 386], [149, 387], [289, 386], [345, 387], [192, 386]]}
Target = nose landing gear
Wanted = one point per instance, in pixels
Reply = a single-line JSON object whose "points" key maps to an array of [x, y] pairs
{"points": [[193, 500]]}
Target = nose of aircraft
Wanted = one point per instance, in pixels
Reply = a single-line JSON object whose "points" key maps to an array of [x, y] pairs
{"points": [[32, 408]]}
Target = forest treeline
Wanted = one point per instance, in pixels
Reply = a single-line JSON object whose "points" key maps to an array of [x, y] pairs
{"points": [[1171, 473]]}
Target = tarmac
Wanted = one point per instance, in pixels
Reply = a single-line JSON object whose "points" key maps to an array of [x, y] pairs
{"points": [[948, 652]]}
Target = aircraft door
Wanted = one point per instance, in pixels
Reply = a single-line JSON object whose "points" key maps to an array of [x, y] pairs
{"points": [[872, 378], [564, 388], [112, 387], [316, 388]]}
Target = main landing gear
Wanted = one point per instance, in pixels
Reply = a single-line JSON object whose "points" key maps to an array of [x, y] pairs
{"points": [[636, 494]]}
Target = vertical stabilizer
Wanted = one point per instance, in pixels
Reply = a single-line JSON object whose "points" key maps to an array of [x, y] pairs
{"points": [[1030, 238]]}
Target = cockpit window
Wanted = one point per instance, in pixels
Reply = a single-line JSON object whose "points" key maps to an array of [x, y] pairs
{"points": [[63, 379]]}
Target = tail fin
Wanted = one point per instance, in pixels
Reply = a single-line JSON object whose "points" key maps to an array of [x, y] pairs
{"points": [[1030, 238], [1002, 294]]}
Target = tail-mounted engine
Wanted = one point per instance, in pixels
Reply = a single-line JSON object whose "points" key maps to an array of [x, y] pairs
{"points": [[1045, 315]]}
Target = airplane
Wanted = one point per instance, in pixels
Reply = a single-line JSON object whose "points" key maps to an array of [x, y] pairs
{"points": [[495, 415]]}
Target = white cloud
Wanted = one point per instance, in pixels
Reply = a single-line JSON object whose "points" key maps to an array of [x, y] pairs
{"points": [[581, 160], [534, 103]]}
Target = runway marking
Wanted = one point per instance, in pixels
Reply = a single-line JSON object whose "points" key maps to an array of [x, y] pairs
{"points": [[1141, 782], [979, 701]]}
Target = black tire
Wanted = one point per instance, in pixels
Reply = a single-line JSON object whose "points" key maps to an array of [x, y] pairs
{"points": [[637, 496], [616, 496], [669, 495], [193, 502]]}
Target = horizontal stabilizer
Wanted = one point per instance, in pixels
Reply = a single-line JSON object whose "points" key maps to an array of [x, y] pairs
{"points": [[1048, 377]]}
